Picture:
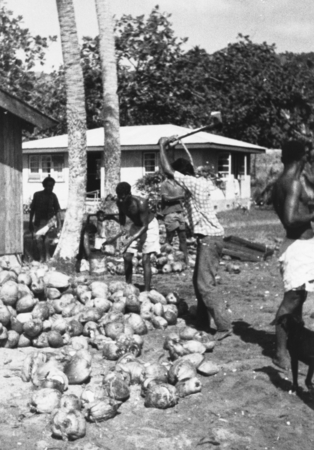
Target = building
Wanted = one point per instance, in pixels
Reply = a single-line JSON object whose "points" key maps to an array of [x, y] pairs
{"points": [[140, 156], [15, 116]]}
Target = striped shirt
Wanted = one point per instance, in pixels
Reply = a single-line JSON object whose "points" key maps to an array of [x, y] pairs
{"points": [[200, 211]]}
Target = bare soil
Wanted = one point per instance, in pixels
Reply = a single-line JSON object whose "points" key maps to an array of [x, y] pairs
{"points": [[247, 405]]}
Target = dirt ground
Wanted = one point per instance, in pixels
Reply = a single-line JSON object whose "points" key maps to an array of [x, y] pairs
{"points": [[247, 405]]}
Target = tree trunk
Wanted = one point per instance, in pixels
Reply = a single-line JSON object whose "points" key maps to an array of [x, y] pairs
{"points": [[111, 160], [68, 246]]}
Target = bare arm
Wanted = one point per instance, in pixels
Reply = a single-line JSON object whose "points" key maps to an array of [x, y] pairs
{"points": [[164, 161], [292, 217]]}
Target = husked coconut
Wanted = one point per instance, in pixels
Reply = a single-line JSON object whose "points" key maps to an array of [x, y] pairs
{"points": [[194, 347], [208, 368], [161, 395], [55, 279], [9, 293], [68, 425], [159, 322], [155, 297], [187, 333], [45, 400], [188, 387]]}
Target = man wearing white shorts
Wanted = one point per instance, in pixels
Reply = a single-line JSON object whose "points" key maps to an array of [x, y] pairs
{"points": [[143, 235]]}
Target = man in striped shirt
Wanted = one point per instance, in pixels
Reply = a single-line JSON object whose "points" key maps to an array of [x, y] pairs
{"points": [[209, 233]]}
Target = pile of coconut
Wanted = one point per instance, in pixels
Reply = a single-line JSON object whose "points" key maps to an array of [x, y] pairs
{"points": [[169, 260], [45, 308], [162, 384]]}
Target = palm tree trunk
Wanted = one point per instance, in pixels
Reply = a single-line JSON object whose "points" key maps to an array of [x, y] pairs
{"points": [[68, 246], [111, 160]]}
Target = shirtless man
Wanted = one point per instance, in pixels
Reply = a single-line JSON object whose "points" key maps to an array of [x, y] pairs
{"points": [[296, 257], [143, 234]]}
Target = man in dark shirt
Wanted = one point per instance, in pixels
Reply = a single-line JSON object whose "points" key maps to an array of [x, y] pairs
{"points": [[46, 209]]}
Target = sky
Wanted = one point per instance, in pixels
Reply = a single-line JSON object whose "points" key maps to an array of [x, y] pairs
{"points": [[210, 24]]}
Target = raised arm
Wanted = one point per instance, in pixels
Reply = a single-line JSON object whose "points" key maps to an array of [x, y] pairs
{"points": [[164, 161]]}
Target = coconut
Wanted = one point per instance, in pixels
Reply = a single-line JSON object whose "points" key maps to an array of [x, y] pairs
{"points": [[85, 297], [181, 370], [146, 309], [119, 306], [59, 324], [47, 324], [5, 317], [133, 368], [166, 268], [188, 387], [158, 309], [79, 342], [155, 297], [67, 310], [3, 335], [137, 323], [75, 328], [208, 368], [26, 304], [194, 347], [176, 350], [118, 389], [41, 311], [161, 395], [12, 339], [77, 309], [187, 333], [101, 410], [194, 358], [24, 290], [45, 400], [55, 279], [24, 278], [15, 325], [65, 300], [9, 293], [205, 339], [170, 313], [41, 341], [54, 339], [155, 371], [111, 351], [90, 329], [91, 393], [68, 425], [102, 304], [116, 286], [37, 286], [172, 337], [24, 317], [99, 289], [33, 328], [5, 276], [77, 370], [113, 329], [159, 322], [172, 298], [70, 402], [24, 341], [90, 314]]}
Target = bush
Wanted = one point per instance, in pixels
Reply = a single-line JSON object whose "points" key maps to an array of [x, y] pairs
{"points": [[149, 185]]}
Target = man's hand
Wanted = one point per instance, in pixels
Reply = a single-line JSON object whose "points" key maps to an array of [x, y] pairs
{"points": [[166, 141]]}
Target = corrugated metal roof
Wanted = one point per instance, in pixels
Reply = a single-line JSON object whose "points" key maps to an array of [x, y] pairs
{"points": [[146, 137]]}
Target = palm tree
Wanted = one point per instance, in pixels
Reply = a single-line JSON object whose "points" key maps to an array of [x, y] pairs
{"points": [[111, 160], [68, 246]]}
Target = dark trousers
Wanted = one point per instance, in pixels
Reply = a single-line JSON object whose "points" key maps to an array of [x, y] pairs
{"points": [[209, 250]]}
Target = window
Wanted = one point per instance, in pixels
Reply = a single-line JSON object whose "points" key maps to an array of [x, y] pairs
{"points": [[224, 164], [149, 162], [40, 166]]}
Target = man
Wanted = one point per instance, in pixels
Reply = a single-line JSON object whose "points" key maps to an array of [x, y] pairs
{"points": [[209, 233], [143, 235], [172, 196], [296, 257], [46, 209], [97, 230]]}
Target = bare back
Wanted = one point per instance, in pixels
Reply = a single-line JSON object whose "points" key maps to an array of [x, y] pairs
{"points": [[291, 204], [136, 209]]}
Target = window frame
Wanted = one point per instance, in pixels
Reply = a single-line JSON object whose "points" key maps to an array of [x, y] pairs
{"points": [[145, 154], [58, 175]]}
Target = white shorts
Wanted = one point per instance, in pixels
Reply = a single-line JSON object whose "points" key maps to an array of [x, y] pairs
{"points": [[148, 242], [296, 259]]}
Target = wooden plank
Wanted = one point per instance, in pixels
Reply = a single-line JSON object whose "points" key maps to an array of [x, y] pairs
{"points": [[241, 255], [246, 243], [236, 247], [24, 111]]}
